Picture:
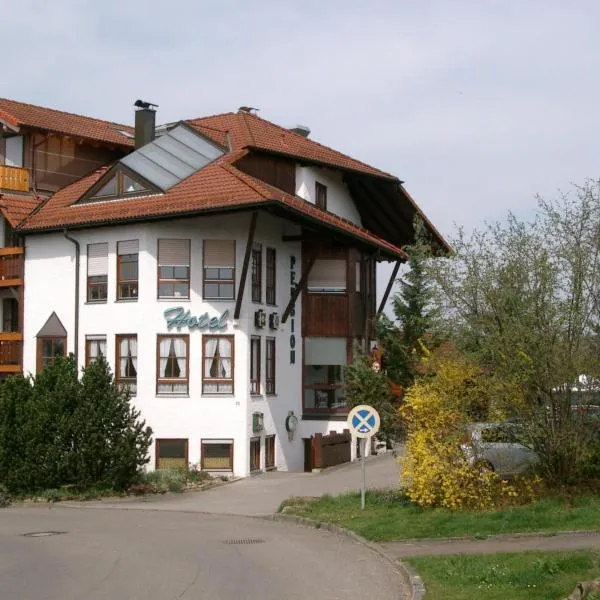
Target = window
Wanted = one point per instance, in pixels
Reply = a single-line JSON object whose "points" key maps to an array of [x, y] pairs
{"points": [[173, 268], [172, 376], [127, 270], [126, 364], [357, 276], [270, 366], [49, 349], [217, 372], [13, 151], [171, 454], [10, 315], [327, 276], [121, 184], [219, 269], [321, 195], [269, 452], [324, 361], [255, 365], [271, 276], [256, 273], [216, 455], [95, 346], [97, 272], [255, 454]]}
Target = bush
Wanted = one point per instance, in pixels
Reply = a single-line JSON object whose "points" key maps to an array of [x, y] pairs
{"points": [[57, 430]]}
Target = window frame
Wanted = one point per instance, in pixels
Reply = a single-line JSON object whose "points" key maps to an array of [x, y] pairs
{"points": [[270, 366], [255, 361], [320, 195], [118, 175], [271, 277], [219, 281], [173, 281], [157, 450], [89, 340], [218, 380], [256, 273], [97, 284], [270, 445], [173, 380], [40, 344], [131, 283], [120, 380], [214, 442]]}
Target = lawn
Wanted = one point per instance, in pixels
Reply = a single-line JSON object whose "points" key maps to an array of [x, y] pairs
{"points": [[390, 516], [518, 576]]}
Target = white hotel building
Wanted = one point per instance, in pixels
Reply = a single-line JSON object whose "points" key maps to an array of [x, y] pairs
{"points": [[224, 266]]}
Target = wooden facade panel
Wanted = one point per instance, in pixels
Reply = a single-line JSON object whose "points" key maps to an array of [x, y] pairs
{"points": [[325, 315], [278, 172]]}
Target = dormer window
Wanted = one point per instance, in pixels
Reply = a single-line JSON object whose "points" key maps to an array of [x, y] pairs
{"points": [[121, 184]]}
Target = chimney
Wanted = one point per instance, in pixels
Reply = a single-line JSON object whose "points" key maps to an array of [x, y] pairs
{"points": [[145, 122], [302, 130]]}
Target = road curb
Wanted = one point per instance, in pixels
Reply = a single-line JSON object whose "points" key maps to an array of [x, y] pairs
{"points": [[409, 575]]}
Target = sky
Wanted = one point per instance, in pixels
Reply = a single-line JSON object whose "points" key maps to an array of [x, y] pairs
{"points": [[477, 105]]}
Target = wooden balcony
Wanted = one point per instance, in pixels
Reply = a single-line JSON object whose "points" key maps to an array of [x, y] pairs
{"points": [[11, 267], [14, 178], [11, 352]]}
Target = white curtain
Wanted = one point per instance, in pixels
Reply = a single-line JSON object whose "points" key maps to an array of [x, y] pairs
{"points": [[97, 348], [225, 352], [128, 357], [167, 346]]}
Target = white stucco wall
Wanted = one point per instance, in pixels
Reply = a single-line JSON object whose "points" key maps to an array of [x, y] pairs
{"points": [[339, 200], [50, 286]]}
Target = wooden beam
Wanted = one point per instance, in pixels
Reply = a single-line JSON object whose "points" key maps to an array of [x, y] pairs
{"points": [[299, 288], [388, 289], [240, 296]]}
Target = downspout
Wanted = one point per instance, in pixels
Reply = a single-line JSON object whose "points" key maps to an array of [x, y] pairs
{"points": [[77, 258]]}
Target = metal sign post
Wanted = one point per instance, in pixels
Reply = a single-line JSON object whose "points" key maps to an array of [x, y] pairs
{"points": [[363, 422]]}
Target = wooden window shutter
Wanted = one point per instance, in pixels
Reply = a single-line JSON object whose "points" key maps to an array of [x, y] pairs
{"points": [[219, 253], [128, 247], [328, 274], [97, 259], [174, 253]]}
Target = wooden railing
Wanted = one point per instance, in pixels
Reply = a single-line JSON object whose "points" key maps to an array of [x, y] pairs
{"points": [[11, 352], [14, 178], [11, 266]]}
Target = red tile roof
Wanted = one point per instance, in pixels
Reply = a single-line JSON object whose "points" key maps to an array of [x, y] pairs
{"points": [[245, 130], [217, 187], [15, 208], [18, 114]]}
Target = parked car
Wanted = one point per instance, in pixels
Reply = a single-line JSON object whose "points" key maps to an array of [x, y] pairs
{"points": [[499, 448]]}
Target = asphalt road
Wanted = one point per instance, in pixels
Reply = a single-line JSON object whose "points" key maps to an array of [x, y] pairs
{"points": [[113, 554]]}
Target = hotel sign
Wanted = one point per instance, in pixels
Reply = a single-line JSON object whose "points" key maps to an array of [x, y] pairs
{"points": [[178, 317]]}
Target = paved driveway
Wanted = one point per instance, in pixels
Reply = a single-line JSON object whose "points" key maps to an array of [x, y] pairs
{"points": [[146, 555], [262, 494]]}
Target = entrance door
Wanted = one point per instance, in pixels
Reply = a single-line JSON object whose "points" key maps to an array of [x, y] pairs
{"points": [[308, 461]]}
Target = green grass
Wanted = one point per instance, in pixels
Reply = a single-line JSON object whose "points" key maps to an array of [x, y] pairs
{"points": [[388, 515], [518, 576]]}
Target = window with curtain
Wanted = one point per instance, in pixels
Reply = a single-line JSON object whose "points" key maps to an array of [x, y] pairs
{"points": [[126, 367], [97, 272], [324, 361], [216, 455], [95, 346], [219, 269], [271, 275], [127, 270], [256, 273], [327, 276], [173, 268], [172, 376], [255, 365], [217, 371], [270, 366]]}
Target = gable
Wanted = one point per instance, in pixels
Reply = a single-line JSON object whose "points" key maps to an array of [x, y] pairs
{"points": [[52, 327]]}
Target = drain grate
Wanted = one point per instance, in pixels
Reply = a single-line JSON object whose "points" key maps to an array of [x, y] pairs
{"points": [[36, 534], [245, 541]]}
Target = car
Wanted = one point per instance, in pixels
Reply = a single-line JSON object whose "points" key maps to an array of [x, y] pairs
{"points": [[498, 447]]}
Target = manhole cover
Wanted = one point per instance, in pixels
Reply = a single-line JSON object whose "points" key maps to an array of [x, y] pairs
{"points": [[245, 541], [36, 534]]}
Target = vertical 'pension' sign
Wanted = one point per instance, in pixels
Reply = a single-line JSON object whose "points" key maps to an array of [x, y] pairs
{"points": [[293, 312]]}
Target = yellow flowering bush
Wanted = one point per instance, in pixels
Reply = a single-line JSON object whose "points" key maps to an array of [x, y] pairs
{"points": [[451, 393]]}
